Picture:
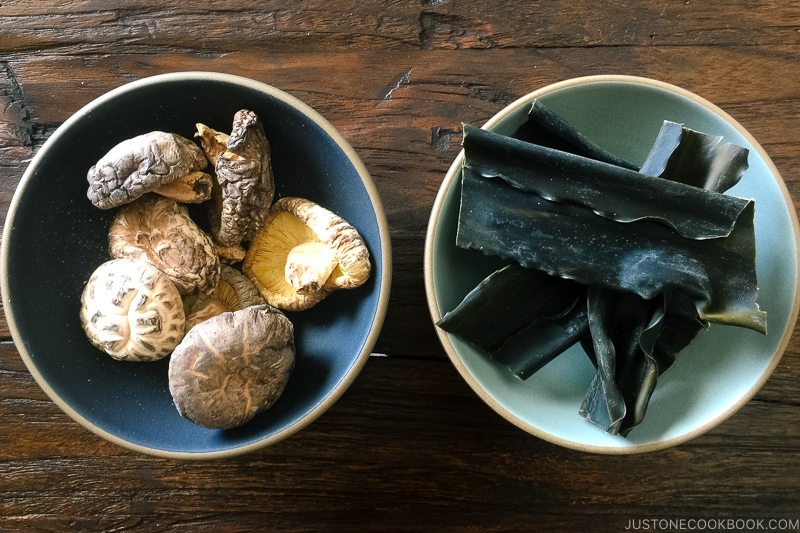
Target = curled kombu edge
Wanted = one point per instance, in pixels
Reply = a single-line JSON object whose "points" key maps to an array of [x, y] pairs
{"points": [[518, 296], [630, 263], [647, 258], [613, 192]]}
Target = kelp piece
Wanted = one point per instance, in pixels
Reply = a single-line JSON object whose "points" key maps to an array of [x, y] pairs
{"points": [[506, 302], [624, 329], [543, 340], [569, 240], [681, 326], [632, 340], [695, 158], [549, 129], [639, 339], [613, 192]]}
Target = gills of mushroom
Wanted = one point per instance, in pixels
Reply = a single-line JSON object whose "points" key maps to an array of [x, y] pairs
{"points": [[233, 293], [303, 253]]}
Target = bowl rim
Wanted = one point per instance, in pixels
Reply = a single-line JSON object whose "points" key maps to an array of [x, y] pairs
{"points": [[433, 306], [352, 156]]}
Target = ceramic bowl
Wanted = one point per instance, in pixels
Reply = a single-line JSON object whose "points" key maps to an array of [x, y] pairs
{"points": [[712, 378], [54, 238]]}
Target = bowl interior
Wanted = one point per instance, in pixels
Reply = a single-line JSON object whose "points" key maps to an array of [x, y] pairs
{"points": [[719, 371], [55, 238]]}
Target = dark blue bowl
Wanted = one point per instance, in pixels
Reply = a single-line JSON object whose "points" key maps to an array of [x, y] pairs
{"points": [[54, 238]]}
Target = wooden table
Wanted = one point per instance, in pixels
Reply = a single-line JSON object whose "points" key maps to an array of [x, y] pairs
{"points": [[409, 446]]}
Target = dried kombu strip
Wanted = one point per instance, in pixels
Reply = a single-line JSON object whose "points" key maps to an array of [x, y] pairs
{"points": [[630, 339], [543, 340], [640, 354], [695, 158], [570, 240], [680, 327], [506, 302], [624, 329], [549, 129], [613, 192], [640, 357]]}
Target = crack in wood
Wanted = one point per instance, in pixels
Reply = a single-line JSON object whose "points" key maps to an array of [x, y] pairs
{"points": [[15, 129], [442, 138], [10, 86], [404, 79], [445, 31]]}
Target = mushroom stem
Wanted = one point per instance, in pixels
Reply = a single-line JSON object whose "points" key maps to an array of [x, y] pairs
{"points": [[308, 266], [193, 188]]}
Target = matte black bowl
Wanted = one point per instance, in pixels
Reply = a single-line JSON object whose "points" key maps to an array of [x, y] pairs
{"points": [[54, 238]]}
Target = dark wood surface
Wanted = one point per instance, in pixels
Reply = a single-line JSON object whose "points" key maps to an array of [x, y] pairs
{"points": [[409, 446]]}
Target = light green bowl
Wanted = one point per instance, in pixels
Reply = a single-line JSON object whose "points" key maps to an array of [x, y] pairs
{"points": [[712, 378]]}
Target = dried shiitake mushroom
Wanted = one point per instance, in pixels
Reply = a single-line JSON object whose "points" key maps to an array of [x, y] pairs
{"points": [[246, 185], [213, 142], [160, 230], [194, 188], [230, 366], [233, 292], [303, 253], [132, 311], [140, 165], [230, 254]]}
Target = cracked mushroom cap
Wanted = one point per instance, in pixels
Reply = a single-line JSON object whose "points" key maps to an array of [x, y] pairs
{"points": [[303, 253], [142, 164], [231, 366], [131, 311], [233, 292], [245, 184], [160, 230]]}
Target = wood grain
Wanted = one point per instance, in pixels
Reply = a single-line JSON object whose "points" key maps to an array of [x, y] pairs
{"points": [[409, 447], [357, 469]]}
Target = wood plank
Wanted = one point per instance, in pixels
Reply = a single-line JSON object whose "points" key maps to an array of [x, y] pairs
{"points": [[748, 466], [216, 28], [409, 447]]}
